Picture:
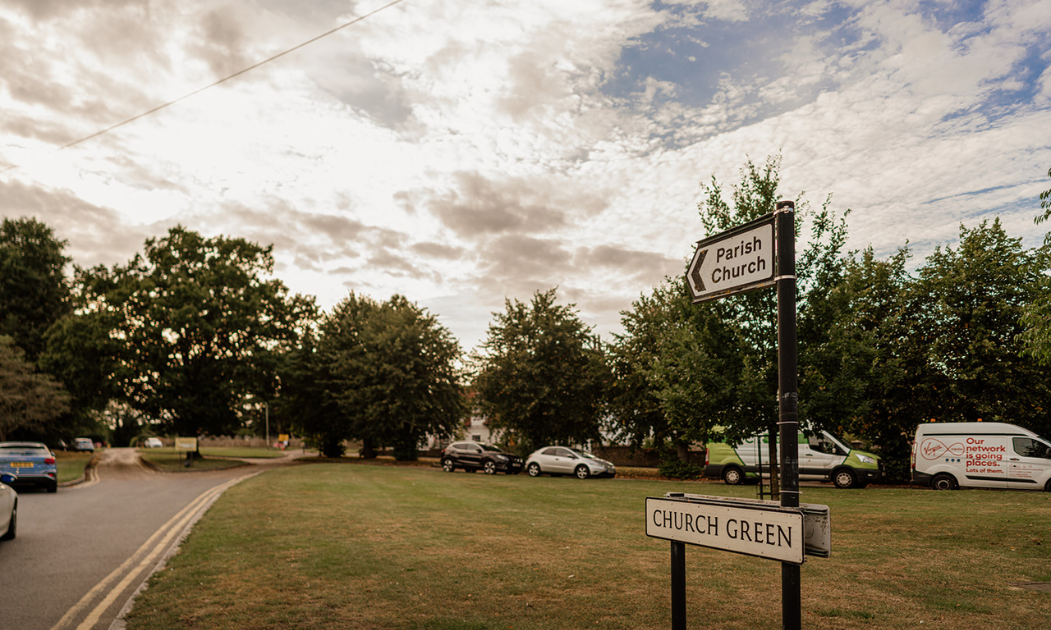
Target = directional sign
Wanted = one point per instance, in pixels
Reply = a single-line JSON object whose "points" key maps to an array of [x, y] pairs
{"points": [[737, 260]]}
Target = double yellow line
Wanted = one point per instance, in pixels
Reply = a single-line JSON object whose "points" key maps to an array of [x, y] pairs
{"points": [[144, 558]]}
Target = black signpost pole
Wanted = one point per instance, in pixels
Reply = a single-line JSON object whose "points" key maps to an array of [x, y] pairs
{"points": [[678, 585], [711, 276], [788, 398]]}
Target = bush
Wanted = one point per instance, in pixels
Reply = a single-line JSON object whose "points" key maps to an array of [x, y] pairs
{"points": [[405, 452], [675, 469], [330, 446]]}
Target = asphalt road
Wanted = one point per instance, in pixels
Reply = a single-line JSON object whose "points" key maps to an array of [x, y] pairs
{"points": [[81, 553]]}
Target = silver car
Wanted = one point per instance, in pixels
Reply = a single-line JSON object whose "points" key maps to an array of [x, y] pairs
{"points": [[8, 507], [560, 460]]}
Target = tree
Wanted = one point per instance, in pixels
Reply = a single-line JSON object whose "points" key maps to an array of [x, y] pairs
{"points": [[33, 288], [28, 400], [541, 374], [308, 387], [1036, 319], [819, 267], [968, 305], [384, 373], [888, 364], [636, 413], [670, 370], [199, 329], [82, 354], [1045, 202]]}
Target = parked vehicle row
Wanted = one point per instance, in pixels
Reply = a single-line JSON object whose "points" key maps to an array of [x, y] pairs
{"points": [[550, 460]]}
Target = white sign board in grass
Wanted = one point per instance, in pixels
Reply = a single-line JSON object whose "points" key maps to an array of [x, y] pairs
{"points": [[765, 532]]}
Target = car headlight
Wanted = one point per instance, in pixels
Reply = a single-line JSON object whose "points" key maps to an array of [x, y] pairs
{"points": [[865, 459]]}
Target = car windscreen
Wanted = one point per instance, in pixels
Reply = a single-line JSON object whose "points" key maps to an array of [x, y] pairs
{"points": [[489, 447], [842, 443]]}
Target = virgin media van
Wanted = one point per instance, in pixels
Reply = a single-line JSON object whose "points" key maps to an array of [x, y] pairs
{"points": [[951, 455]]}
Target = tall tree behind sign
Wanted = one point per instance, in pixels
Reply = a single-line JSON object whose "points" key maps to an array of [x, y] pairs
{"points": [[1037, 316], [674, 369], [753, 315]]}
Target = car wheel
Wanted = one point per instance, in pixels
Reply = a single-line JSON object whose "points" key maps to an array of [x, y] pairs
{"points": [[944, 481], [490, 467], [13, 525], [447, 465], [733, 476], [52, 487], [533, 469], [1047, 486], [582, 472], [844, 478]]}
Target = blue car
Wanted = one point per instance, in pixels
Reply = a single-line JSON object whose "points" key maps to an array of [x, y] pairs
{"points": [[31, 463]]}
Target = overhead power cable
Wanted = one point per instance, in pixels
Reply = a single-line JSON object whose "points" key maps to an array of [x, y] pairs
{"points": [[220, 81]]}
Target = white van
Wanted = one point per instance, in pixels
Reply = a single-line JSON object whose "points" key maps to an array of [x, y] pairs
{"points": [[951, 455]]}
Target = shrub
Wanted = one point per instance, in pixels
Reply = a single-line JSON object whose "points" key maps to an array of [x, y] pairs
{"points": [[675, 469]]}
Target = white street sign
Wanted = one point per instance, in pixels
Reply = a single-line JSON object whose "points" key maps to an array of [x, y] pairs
{"points": [[734, 261], [755, 530]]}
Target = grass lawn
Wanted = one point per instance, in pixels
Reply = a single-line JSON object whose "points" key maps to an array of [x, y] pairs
{"points": [[168, 460], [239, 451], [71, 464], [382, 547]]}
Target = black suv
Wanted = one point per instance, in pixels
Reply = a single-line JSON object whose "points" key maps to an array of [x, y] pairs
{"points": [[472, 456]]}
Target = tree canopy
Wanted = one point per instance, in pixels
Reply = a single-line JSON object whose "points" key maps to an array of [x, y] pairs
{"points": [[194, 335], [541, 374], [34, 292], [968, 304], [28, 400], [713, 366], [191, 328], [384, 373]]}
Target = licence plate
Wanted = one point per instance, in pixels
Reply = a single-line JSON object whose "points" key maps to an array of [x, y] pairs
{"points": [[21, 464]]}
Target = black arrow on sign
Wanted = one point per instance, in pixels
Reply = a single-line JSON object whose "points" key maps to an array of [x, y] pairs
{"points": [[695, 273]]}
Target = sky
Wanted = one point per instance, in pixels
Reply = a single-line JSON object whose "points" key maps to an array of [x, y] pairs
{"points": [[466, 153]]}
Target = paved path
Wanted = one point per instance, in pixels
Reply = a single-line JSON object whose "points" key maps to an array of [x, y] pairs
{"points": [[81, 553]]}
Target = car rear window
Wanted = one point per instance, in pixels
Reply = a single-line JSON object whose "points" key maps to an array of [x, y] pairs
{"points": [[23, 450]]}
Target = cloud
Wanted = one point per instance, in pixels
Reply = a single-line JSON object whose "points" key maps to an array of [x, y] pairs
{"points": [[460, 153], [440, 251], [723, 10], [95, 235], [480, 207], [621, 264]]}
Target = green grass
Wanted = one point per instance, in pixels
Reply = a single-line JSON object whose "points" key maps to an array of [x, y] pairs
{"points": [[406, 548], [215, 457], [238, 451], [71, 465], [171, 461]]}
